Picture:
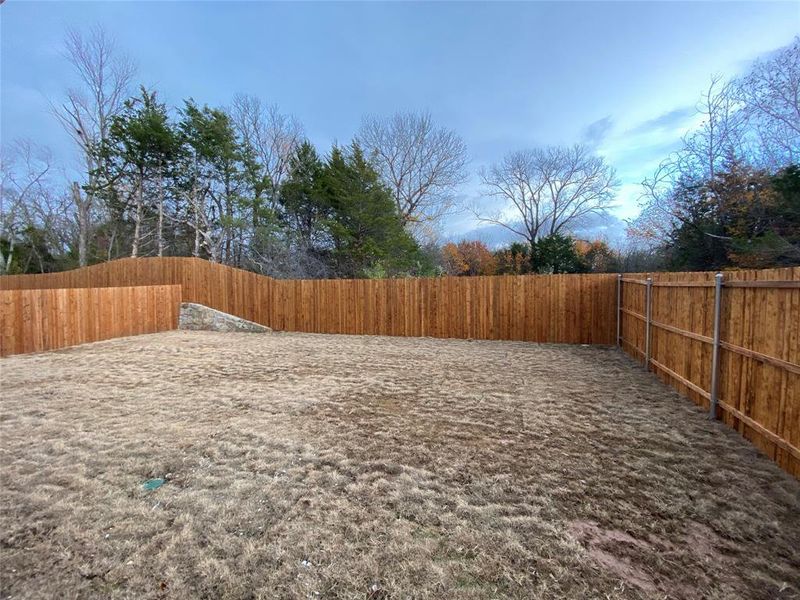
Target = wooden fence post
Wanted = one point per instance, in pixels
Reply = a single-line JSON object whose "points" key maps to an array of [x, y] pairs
{"points": [[712, 409], [619, 308], [648, 301]]}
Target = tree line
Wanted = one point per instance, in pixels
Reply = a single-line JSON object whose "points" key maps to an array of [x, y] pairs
{"points": [[730, 196], [242, 185]]}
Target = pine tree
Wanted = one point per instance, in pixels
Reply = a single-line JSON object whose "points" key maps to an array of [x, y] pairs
{"points": [[365, 228], [303, 204], [140, 148]]}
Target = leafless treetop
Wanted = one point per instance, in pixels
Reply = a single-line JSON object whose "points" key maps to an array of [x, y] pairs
{"points": [[273, 136], [27, 198], [421, 163], [770, 93], [549, 190], [105, 77], [755, 119]]}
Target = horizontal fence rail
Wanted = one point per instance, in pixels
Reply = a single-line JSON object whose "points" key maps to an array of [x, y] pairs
{"points": [[47, 319], [539, 308], [730, 342]]}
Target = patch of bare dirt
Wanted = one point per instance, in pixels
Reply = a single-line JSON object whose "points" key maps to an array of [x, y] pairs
{"points": [[313, 466], [615, 551]]}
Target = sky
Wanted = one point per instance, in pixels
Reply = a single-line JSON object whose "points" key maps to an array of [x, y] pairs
{"points": [[621, 76]]}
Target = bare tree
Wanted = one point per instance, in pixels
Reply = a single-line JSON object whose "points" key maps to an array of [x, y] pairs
{"points": [[660, 213], [718, 141], [208, 233], [770, 94], [279, 257], [753, 120], [104, 77], [548, 190], [27, 202], [720, 136], [421, 163], [271, 135], [21, 177]]}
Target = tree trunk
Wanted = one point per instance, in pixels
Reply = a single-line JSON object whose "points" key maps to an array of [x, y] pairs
{"points": [[82, 212], [228, 226], [6, 262], [136, 233], [196, 252], [137, 220], [160, 231], [111, 244]]}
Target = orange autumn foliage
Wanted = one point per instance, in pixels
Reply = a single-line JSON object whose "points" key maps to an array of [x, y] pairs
{"points": [[597, 255], [468, 258]]}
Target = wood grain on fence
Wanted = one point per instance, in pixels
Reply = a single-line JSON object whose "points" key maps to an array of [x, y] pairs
{"points": [[539, 308], [33, 320], [759, 368], [570, 309]]}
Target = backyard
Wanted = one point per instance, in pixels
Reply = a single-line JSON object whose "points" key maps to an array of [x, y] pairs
{"points": [[319, 466]]}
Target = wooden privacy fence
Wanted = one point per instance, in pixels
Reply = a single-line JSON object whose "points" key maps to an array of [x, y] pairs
{"points": [[46, 319], [744, 357], [539, 308], [730, 342]]}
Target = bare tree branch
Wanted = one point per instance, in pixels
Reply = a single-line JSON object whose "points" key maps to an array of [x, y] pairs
{"points": [[105, 77], [421, 163], [547, 190], [27, 202], [273, 136], [719, 140], [770, 94]]}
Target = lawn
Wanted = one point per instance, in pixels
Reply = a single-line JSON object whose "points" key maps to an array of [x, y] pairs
{"points": [[316, 466]]}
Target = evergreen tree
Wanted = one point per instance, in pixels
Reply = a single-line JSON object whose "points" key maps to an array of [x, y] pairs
{"points": [[556, 253], [139, 151], [744, 217], [766, 224], [214, 182], [363, 223], [698, 243], [301, 198]]}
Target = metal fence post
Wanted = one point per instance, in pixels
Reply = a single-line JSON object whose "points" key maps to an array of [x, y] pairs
{"points": [[619, 309], [712, 409], [648, 300]]}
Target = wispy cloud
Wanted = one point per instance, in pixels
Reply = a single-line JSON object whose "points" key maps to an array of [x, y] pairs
{"points": [[636, 150], [677, 118], [595, 133]]}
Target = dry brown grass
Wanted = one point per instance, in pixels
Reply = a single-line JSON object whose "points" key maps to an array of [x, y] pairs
{"points": [[312, 466]]}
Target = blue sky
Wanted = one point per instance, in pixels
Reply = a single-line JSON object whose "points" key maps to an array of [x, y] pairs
{"points": [[623, 75]]}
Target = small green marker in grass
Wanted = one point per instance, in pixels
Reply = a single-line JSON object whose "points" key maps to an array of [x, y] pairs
{"points": [[153, 484]]}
